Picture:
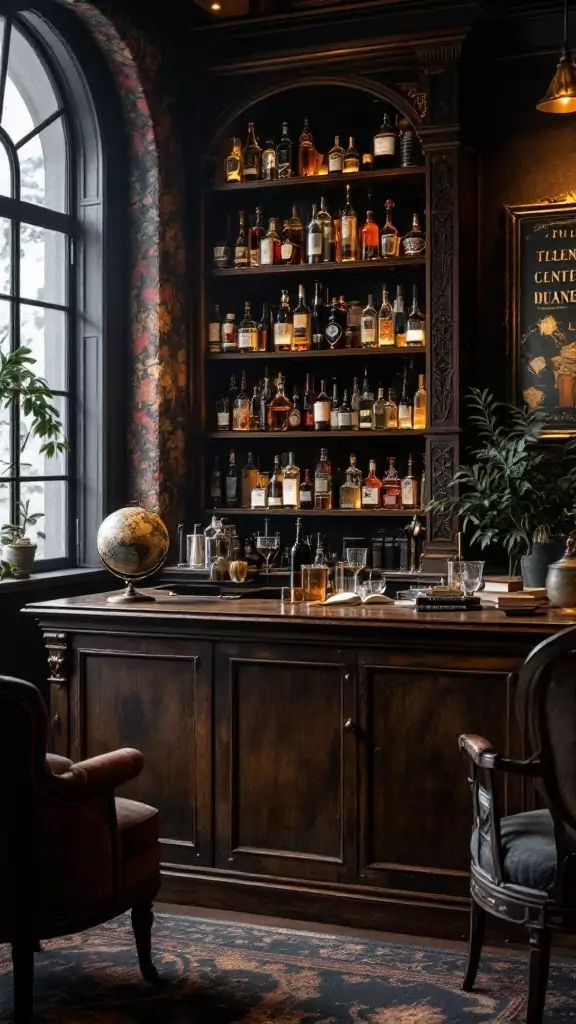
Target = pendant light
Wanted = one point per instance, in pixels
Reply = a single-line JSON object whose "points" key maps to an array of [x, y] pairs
{"points": [[561, 95]]}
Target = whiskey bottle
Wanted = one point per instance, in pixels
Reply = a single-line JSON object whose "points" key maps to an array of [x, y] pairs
{"points": [[367, 162], [283, 325], [269, 170], [307, 491], [259, 494], [275, 489], [299, 556], [314, 239], [322, 409], [318, 317], [371, 488], [233, 162], [263, 329], [338, 238], [399, 319], [420, 404], [336, 157], [291, 484], [223, 413], [389, 237], [349, 231], [353, 324], [370, 236], [351, 489], [295, 414], [293, 239], [409, 486], [230, 333], [284, 156], [232, 392], [351, 162], [334, 333], [424, 495], [222, 251], [391, 411], [251, 156], [323, 483], [415, 324], [241, 409], [270, 245], [248, 332], [385, 322], [215, 330], [216, 484], [231, 488], [334, 407], [414, 243], [379, 411], [248, 481], [409, 146], [391, 487], [368, 326], [301, 324], [265, 399], [306, 152], [385, 142], [405, 405], [327, 226], [365, 406], [279, 408], [255, 408], [344, 415], [256, 233], [296, 229], [355, 405], [320, 557], [241, 247], [309, 399]]}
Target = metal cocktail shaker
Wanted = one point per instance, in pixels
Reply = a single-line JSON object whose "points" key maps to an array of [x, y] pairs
{"points": [[195, 548]]}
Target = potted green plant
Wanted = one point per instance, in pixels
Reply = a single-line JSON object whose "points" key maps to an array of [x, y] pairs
{"points": [[518, 493], [19, 550]]}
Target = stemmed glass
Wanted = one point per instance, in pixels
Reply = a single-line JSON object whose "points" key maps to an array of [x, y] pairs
{"points": [[466, 575], [357, 560], [268, 544]]}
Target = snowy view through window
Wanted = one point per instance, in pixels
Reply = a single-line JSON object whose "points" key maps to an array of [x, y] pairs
{"points": [[34, 292]]}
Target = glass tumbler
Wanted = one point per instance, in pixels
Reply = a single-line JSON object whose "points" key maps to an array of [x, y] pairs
{"points": [[314, 582]]}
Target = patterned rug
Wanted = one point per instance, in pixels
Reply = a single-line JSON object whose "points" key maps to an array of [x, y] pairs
{"points": [[222, 973]]}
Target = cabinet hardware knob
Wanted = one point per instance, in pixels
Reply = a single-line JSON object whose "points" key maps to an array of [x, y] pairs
{"points": [[349, 725], [347, 677], [56, 722]]}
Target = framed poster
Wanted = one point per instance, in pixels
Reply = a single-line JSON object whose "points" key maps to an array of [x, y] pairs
{"points": [[541, 300]]}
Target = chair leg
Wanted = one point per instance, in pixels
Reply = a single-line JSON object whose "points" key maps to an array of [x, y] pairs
{"points": [[540, 939], [477, 926], [142, 919], [23, 973]]}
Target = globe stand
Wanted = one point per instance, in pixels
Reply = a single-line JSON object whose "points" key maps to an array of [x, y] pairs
{"points": [[129, 596]]}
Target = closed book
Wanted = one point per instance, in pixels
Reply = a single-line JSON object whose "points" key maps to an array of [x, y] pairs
{"points": [[456, 603], [456, 599], [447, 606], [503, 584]]}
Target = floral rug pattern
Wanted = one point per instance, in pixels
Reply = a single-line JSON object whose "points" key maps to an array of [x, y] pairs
{"points": [[223, 973]]}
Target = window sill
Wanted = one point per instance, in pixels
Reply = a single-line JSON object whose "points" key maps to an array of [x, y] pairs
{"points": [[51, 580]]}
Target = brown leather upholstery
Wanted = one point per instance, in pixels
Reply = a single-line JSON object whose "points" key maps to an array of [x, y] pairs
{"points": [[58, 765]]}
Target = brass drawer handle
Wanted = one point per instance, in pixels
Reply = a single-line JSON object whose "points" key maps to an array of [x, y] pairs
{"points": [[349, 725]]}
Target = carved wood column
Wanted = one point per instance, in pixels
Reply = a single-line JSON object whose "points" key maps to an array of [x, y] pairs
{"points": [[57, 647]]}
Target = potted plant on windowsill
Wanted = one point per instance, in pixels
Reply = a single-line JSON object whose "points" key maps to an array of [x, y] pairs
{"points": [[19, 550], [519, 492]]}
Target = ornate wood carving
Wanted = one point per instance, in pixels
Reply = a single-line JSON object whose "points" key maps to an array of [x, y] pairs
{"points": [[443, 217], [57, 648], [443, 458], [417, 98]]}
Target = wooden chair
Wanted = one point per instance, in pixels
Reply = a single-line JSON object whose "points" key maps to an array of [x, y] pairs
{"points": [[524, 866], [71, 855]]}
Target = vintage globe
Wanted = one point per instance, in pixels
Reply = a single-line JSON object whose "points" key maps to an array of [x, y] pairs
{"points": [[133, 544]]}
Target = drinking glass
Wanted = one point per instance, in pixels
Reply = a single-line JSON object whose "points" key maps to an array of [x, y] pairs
{"points": [[465, 575], [357, 560], [268, 544], [345, 578], [314, 582]]}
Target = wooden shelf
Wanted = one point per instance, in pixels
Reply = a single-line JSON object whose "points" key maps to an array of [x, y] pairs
{"points": [[321, 180], [408, 262], [358, 353], [352, 513], [318, 435]]}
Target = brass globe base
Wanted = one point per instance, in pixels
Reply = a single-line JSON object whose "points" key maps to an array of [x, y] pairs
{"points": [[129, 596]]}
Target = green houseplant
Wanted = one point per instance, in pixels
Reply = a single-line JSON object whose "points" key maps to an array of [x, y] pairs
{"points": [[517, 493]]}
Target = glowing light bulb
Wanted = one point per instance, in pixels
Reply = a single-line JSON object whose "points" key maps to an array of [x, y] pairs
{"points": [[215, 7]]}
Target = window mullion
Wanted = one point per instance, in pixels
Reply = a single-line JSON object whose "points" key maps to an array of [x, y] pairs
{"points": [[14, 344], [4, 63]]}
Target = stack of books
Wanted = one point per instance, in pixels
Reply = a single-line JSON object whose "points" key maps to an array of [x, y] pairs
{"points": [[442, 599], [507, 594]]}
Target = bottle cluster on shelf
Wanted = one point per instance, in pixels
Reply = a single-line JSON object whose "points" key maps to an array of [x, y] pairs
{"points": [[324, 239], [395, 144], [270, 409], [326, 324], [287, 487]]}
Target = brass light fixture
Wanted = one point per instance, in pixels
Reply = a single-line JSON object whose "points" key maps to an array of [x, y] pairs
{"points": [[561, 95]]}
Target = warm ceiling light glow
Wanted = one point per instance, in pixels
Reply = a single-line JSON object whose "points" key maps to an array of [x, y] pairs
{"points": [[215, 7], [561, 95]]}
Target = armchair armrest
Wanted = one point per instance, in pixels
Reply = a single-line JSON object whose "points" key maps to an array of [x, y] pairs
{"points": [[481, 752], [475, 747], [98, 775]]}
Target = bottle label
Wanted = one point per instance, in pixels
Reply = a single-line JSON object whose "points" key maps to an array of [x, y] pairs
{"points": [[229, 339], [335, 163], [274, 502], [347, 499], [294, 418], [389, 244], [365, 419], [305, 499], [241, 418], [241, 255], [355, 417], [408, 493], [220, 254], [349, 230], [333, 332], [248, 339], [321, 485], [254, 257], [414, 336], [231, 488], [268, 161], [385, 332], [322, 412], [414, 245], [390, 500], [314, 247], [344, 419], [371, 496], [282, 335], [384, 145], [223, 421], [291, 491], [214, 333], [258, 497], [286, 251], [301, 325], [333, 418], [267, 252], [368, 330]]}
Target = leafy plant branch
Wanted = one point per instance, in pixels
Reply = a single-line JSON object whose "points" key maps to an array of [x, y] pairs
{"points": [[19, 384]]}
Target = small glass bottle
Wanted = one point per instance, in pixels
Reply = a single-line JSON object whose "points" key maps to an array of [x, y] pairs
{"points": [[307, 491], [355, 405], [215, 331], [279, 409], [370, 236], [366, 406], [369, 326], [419, 418], [385, 322], [318, 317], [391, 487], [379, 411], [222, 250], [306, 152], [275, 490], [283, 325], [399, 319], [336, 157], [256, 233], [371, 488], [290, 252], [248, 480], [322, 409], [349, 223], [270, 245], [284, 157], [295, 414], [314, 238], [409, 146], [351, 489], [323, 483], [259, 495], [297, 231], [301, 324], [216, 484], [351, 162], [391, 411], [265, 399], [334, 332], [308, 404], [233, 162], [223, 413], [241, 410], [291, 483], [231, 483], [269, 169], [405, 405], [385, 143], [344, 415], [255, 408], [389, 237], [334, 406], [415, 323], [327, 226], [414, 243], [251, 156], [353, 324], [263, 329], [248, 332], [230, 333], [409, 486], [241, 246]]}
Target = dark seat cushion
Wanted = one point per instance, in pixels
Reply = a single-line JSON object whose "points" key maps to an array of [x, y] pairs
{"points": [[138, 826], [528, 850]]}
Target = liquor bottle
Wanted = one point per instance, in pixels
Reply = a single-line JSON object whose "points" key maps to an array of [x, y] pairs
{"points": [[420, 404], [322, 409], [255, 408], [369, 326], [288, 251], [385, 321], [323, 483], [297, 231], [275, 486], [223, 413], [299, 556], [306, 152], [415, 323], [222, 251], [344, 415], [405, 405], [338, 238], [334, 332], [283, 325], [291, 484], [216, 484], [351, 162], [409, 146], [301, 324], [270, 245], [232, 392], [391, 487], [367, 162], [295, 414], [351, 489], [309, 399], [424, 496], [231, 489], [391, 411], [385, 142], [269, 170], [279, 408], [230, 333], [371, 488], [355, 404], [320, 556], [248, 481], [414, 242], [409, 485], [248, 332], [353, 324], [349, 231], [334, 407], [215, 330], [389, 237], [318, 318], [265, 399], [365, 405], [251, 156], [327, 226], [314, 238], [307, 491], [263, 329], [241, 247], [336, 157], [241, 408], [399, 319], [370, 236], [284, 154], [233, 162], [378, 411], [259, 494], [256, 233]]}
